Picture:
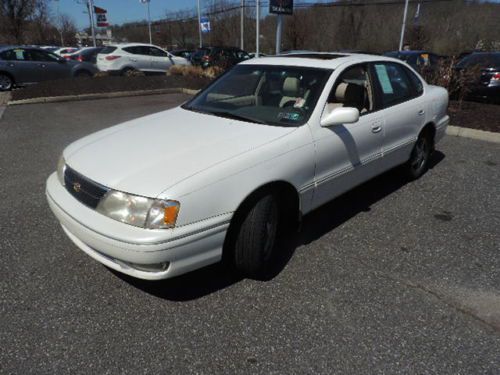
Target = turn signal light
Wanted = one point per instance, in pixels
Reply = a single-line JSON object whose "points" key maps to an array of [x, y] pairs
{"points": [[170, 213]]}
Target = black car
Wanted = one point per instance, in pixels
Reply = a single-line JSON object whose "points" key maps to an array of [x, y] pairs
{"points": [[186, 53], [218, 56], [88, 54], [487, 85], [418, 60], [21, 66]]}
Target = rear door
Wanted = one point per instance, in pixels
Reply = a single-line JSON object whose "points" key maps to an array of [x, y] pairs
{"points": [[49, 65], [139, 57], [402, 101], [160, 60]]}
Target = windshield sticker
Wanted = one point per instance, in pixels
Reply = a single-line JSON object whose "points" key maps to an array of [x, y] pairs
{"points": [[383, 78], [299, 103], [289, 116]]}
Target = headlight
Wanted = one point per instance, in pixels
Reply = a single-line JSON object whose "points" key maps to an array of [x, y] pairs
{"points": [[139, 211], [61, 166]]}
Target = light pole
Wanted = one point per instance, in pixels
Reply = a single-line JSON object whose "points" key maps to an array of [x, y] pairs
{"points": [[242, 24], [403, 27], [90, 6], [149, 19], [199, 25], [257, 27]]}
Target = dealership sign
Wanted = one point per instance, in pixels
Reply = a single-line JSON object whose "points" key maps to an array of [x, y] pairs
{"points": [[281, 6], [101, 19], [205, 25]]}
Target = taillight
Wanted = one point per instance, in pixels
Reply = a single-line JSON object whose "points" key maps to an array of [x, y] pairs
{"points": [[112, 57], [206, 58], [79, 58], [496, 77]]}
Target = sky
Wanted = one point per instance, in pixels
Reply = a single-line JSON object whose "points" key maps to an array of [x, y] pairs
{"points": [[120, 11]]}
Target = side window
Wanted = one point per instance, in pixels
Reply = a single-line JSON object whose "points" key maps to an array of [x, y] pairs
{"points": [[41, 56], [138, 50], [394, 84], [353, 88], [17, 54], [418, 87], [153, 51]]}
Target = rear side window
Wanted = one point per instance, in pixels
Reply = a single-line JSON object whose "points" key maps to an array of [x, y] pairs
{"points": [[137, 50], [17, 54], [393, 83], [418, 87], [107, 50]]}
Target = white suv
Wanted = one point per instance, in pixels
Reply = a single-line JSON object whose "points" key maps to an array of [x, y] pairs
{"points": [[120, 58]]}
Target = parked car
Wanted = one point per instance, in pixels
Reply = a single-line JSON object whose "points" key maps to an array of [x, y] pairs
{"points": [[121, 58], [487, 85], [86, 54], [22, 66], [186, 53], [418, 60], [221, 56], [232, 170], [63, 50]]}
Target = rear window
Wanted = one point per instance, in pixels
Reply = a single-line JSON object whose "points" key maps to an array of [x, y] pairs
{"points": [[483, 59], [108, 50]]}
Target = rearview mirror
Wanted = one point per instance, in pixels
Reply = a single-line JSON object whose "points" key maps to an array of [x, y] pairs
{"points": [[342, 115]]}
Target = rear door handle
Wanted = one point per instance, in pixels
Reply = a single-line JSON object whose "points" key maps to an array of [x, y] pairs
{"points": [[421, 112], [376, 128]]}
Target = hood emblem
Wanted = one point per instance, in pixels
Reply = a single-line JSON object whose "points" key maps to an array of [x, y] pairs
{"points": [[77, 187]]}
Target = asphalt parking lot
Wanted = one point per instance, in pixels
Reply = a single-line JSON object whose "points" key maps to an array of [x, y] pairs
{"points": [[390, 278]]}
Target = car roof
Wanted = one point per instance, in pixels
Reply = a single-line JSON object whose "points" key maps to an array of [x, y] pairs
{"points": [[324, 60], [122, 45]]}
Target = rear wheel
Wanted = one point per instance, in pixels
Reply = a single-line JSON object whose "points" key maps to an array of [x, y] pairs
{"points": [[256, 237], [6, 82], [418, 163]]}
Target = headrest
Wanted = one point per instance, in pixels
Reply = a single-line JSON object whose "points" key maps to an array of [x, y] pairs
{"points": [[349, 93], [291, 87]]}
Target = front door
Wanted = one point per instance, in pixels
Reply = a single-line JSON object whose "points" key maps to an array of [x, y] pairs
{"points": [[348, 154], [50, 66], [160, 60]]}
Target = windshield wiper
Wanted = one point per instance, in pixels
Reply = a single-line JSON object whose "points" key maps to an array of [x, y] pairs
{"points": [[234, 116]]}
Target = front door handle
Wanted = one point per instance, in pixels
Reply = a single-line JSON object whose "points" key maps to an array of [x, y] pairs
{"points": [[376, 128], [421, 112]]}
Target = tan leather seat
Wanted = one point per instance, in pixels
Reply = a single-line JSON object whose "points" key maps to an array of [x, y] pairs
{"points": [[349, 95], [290, 91]]}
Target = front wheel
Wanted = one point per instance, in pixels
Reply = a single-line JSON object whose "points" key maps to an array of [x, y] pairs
{"points": [[256, 238], [6, 82], [418, 163]]}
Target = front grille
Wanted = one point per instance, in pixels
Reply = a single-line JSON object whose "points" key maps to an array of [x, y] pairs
{"points": [[84, 190]]}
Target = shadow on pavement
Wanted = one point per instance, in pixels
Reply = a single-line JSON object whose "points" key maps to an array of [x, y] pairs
{"points": [[216, 277]]}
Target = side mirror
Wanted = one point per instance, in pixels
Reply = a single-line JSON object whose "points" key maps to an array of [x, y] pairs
{"points": [[339, 116]]}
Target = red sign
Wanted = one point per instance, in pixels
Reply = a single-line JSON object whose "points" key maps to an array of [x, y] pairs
{"points": [[101, 19]]}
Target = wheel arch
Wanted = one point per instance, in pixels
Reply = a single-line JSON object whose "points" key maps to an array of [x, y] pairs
{"points": [[8, 75], [288, 201]]}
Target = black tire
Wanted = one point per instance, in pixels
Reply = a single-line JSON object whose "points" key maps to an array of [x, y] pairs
{"points": [[6, 82], [83, 74], [255, 247], [126, 71], [418, 163]]}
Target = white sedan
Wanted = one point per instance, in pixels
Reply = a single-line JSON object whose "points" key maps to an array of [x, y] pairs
{"points": [[234, 168]]}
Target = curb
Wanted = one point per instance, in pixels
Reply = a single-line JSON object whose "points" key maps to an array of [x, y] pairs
{"points": [[107, 95], [481, 135], [2, 109]]}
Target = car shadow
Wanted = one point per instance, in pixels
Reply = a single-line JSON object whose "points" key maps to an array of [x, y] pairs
{"points": [[217, 277]]}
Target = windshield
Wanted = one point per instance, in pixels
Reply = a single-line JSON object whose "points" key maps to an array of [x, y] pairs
{"points": [[263, 94]]}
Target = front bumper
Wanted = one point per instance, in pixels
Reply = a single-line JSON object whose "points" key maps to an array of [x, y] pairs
{"points": [[130, 249]]}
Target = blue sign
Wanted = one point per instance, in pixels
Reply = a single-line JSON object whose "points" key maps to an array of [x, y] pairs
{"points": [[205, 25]]}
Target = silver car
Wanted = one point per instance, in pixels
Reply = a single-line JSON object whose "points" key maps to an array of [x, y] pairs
{"points": [[21, 66]]}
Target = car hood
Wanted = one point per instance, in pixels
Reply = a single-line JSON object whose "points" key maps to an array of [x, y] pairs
{"points": [[148, 155]]}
